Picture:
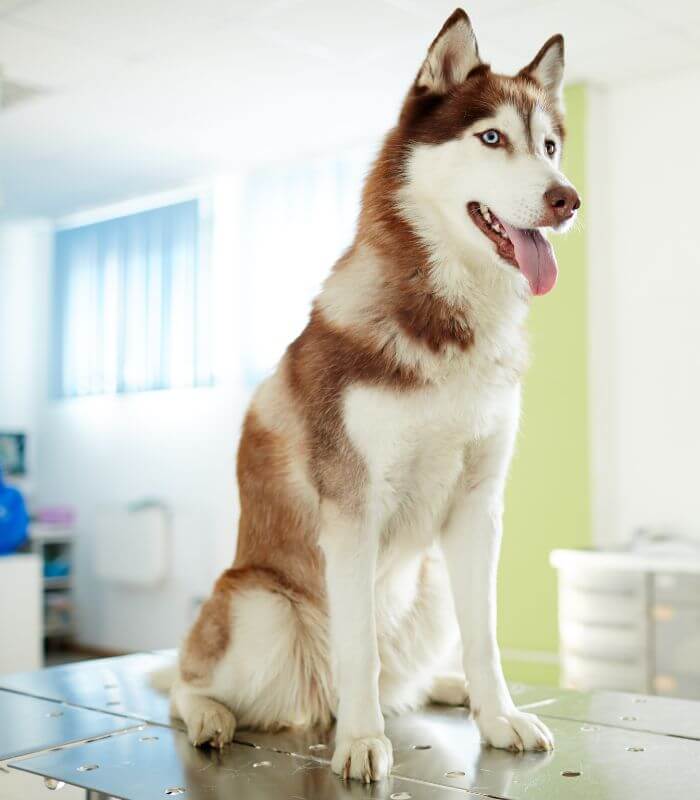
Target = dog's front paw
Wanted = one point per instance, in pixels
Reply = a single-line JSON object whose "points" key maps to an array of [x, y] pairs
{"points": [[367, 759], [515, 731]]}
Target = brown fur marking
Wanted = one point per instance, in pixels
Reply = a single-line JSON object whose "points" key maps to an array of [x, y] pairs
{"points": [[320, 364], [277, 542]]}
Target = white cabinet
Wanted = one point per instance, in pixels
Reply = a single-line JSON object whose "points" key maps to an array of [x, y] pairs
{"points": [[629, 622], [20, 613]]}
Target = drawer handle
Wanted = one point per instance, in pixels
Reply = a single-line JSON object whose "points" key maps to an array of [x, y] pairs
{"points": [[603, 593], [665, 684], [663, 613], [584, 655]]}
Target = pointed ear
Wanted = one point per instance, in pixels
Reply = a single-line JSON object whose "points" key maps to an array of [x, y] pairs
{"points": [[452, 56], [547, 67]]}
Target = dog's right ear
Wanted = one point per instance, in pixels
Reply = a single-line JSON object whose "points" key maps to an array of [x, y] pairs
{"points": [[452, 56]]}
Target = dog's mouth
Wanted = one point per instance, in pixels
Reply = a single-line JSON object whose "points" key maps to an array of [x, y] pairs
{"points": [[524, 248]]}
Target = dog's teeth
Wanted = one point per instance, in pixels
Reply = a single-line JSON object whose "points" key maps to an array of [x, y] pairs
{"points": [[485, 213]]}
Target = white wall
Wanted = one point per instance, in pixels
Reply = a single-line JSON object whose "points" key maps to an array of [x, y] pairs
{"points": [[25, 252], [180, 446], [176, 446], [644, 216]]}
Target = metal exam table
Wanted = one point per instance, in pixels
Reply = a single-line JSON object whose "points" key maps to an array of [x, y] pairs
{"points": [[97, 730]]}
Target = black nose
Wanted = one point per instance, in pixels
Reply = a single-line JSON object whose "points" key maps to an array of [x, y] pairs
{"points": [[562, 201]]}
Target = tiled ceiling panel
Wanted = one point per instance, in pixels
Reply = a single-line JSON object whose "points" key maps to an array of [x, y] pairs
{"points": [[7, 6], [39, 58], [143, 94], [341, 33], [131, 29]]}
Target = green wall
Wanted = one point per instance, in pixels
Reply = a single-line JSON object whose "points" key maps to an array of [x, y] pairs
{"points": [[548, 497]]}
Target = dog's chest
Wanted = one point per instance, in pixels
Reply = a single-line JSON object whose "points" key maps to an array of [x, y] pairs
{"points": [[413, 442]]}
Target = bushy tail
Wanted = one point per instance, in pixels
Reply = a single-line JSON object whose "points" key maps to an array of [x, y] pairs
{"points": [[162, 679]]}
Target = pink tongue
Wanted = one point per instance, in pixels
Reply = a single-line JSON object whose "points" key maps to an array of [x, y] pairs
{"points": [[535, 258]]}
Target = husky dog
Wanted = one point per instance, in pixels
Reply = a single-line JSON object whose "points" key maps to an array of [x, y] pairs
{"points": [[372, 463]]}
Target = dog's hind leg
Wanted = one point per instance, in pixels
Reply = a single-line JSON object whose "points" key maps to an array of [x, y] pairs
{"points": [[208, 721], [449, 689], [257, 656]]}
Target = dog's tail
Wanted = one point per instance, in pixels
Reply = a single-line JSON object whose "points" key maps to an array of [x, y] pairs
{"points": [[162, 679]]}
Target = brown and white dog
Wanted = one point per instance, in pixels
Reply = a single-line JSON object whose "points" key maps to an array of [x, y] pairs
{"points": [[372, 463]]}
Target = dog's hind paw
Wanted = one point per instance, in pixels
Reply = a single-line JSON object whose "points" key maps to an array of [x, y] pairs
{"points": [[449, 690], [209, 722], [367, 759]]}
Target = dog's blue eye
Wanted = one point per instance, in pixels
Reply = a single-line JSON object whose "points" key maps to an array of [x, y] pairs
{"points": [[491, 137]]}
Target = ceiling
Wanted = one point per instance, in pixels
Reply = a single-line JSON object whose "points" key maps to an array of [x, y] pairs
{"points": [[139, 96]]}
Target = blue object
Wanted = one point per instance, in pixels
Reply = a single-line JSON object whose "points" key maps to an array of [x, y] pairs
{"points": [[13, 519], [56, 569]]}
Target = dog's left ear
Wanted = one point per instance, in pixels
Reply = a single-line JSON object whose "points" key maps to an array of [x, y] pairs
{"points": [[452, 56], [547, 67]]}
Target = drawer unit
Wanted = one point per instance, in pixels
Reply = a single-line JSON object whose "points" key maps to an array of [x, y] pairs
{"points": [[606, 608], [606, 581], [629, 622], [677, 644], [582, 672], [675, 589], [603, 640], [670, 685]]}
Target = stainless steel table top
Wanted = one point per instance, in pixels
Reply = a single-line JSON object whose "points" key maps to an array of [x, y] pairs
{"points": [[113, 685], [159, 762], [28, 724], [608, 745], [592, 763], [668, 715], [442, 745]]}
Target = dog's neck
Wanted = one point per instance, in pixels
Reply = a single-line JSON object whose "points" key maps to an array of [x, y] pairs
{"points": [[411, 286], [387, 297]]}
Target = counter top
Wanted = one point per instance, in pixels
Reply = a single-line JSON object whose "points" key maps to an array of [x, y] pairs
{"points": [[118, 740]]}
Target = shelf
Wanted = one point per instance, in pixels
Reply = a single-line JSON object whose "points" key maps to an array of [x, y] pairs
{"points": [[59, 582], [55, 534], [58, 630]]}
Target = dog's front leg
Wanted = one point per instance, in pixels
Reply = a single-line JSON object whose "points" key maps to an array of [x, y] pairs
{"points": [[471, 542], [350, 546]]}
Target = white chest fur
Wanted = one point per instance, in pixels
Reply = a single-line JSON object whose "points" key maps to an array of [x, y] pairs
{"points": [[413, 442]]}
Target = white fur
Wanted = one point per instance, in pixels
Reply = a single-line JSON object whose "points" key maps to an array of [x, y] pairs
{"points": [[436, 461], [451, 58], [415, 444], [444, 178], [550, 71]]}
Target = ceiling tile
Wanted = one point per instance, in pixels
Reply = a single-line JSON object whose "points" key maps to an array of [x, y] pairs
{"points": [[132, 30], [7, 6], [439, 10], [586, 26], [159, 94], [594, 27], [645, 57], [39, 59], [680, 17], [344, 33]]}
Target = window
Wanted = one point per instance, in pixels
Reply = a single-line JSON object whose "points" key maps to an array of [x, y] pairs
{"points": [[297, 220], [132, 301]]}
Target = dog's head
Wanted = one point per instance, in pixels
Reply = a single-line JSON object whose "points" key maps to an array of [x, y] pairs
{"points": [[483, 154]]}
